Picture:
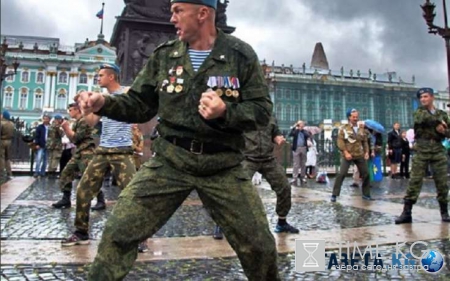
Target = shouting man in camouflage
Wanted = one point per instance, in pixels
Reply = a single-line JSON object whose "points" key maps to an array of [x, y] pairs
{"points": [[81, 135], [431, 127], [208, 88], [114, 151]]}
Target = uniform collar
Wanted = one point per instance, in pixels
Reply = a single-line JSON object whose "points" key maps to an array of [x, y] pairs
{"points": [[217, 52]]}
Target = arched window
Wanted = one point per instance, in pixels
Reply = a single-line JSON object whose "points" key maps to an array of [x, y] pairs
{"points": [[287, 113], [40, 77], [23, 98], [278, 111], [38, 99], [287, 94], [62, 78], [10, 78], [294, 115], [96, 79], [8, 97], [61, 100], [25, 76], [83, 78]]}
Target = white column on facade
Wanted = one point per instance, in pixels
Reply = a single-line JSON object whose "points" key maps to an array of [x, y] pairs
{"points": [[48, 81], [70, 92], [74, 87], [90, 81], [53, 91]]}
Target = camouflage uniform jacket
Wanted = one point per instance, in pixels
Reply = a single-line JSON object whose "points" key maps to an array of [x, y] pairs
{"points": [[355, 143], [148, 96], [54, 138], [259, 144], [8, 129], [425, 125], [82, 137]]}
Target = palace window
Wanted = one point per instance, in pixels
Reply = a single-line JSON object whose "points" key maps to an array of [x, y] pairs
{"points": [[62, 78], [83, 78], [25, 76], [40, 77], [61, 100], [96, 79], [8, 97], [287, 113], [278, 110], [10, 78], [38, 99], [23, 98]]}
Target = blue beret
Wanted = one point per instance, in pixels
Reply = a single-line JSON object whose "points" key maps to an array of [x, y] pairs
{"points": [[57, 117], [110, 66], [350, 110], [423, 91], [6, 114], [209, 3]]}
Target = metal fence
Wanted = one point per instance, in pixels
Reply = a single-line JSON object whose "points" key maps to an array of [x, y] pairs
{"points": [[21, 154]]}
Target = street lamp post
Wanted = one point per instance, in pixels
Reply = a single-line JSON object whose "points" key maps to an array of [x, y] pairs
{"points": [[3, 67], [444, 32]]}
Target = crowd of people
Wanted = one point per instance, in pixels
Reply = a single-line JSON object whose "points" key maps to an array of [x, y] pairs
{"points": [[215, 131]]}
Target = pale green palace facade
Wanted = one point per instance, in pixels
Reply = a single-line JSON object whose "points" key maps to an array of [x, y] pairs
{"points": [[50, 74]]}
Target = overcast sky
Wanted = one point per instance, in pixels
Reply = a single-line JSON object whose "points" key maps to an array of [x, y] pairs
{"points": [[382, 35]]}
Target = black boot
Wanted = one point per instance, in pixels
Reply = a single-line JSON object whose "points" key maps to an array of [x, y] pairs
{"points": [[218, 233], [444, 212], [100, 202], [405, 217], [64, 202]]}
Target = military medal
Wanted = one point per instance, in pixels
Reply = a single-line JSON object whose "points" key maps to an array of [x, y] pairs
{"points": [[180, 81], [178, 88], [228, 92], [171, 70], [179, 70], [219, 92], [234, 82], [235, 93], [171, 87]]}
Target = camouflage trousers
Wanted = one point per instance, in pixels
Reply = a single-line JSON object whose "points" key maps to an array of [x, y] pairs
{"points": [[156, 192], [120, 160], [436, 158], [5, 157], [276, 177], [77, 164], [54, 155]]}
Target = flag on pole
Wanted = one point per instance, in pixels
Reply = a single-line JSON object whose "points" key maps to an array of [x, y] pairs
{"points": [[100, 14]]}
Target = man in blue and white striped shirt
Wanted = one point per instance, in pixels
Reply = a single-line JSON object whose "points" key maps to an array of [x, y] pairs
{"points": [[114, 152]]}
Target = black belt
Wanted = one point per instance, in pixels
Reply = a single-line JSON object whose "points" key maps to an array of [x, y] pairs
{"points": [[198, 147]]}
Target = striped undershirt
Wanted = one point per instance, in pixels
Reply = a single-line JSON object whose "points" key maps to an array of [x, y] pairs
{"points": [[115, 133], [197, 58]]}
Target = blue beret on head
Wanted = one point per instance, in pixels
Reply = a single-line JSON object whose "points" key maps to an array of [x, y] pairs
{"points": [[110, 66], [57, 117], [350, 110], [6, 114], [423, 91], [209, 3]]}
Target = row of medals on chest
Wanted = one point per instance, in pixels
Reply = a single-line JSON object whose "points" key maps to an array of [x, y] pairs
{"points": [[220, 84]]}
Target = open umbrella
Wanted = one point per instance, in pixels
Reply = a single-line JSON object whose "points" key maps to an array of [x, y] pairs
{"points": [[410, 135], [374, 125], [312, 129]]}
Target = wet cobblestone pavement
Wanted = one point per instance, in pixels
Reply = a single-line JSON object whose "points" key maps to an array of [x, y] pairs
{"points": [[30, 217], [230, 269]]}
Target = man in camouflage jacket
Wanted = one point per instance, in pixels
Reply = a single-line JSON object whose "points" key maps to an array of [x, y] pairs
{"points": [[81, 135], [431, 127], [204, 112], [354, 147]]}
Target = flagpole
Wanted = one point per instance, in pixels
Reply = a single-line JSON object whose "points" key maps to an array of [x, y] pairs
{"points": [[101, 26]]}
